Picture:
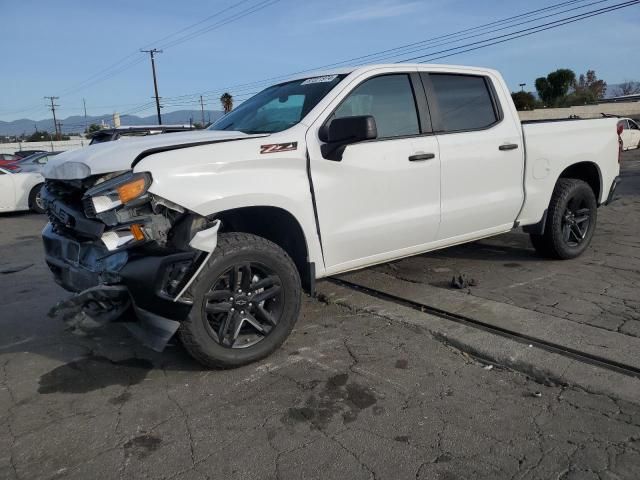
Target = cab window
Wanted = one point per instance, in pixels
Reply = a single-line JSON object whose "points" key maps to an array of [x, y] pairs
{"points": [[464, 102], [389, 99]]}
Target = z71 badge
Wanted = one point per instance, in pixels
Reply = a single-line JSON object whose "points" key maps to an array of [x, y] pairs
{"points": [[278, 147]]}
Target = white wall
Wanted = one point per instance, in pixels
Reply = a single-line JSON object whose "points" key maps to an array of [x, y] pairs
{"points": [[623, 109], [56, 146]]}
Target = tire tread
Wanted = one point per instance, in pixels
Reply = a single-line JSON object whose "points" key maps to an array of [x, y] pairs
{"points": [[230, 243], [549, 244]]}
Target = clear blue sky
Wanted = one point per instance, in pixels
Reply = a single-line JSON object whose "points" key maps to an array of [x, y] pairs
{"points": [[50, 48]]}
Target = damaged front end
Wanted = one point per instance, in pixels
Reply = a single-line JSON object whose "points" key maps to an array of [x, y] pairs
{"points": [[126, 253]]}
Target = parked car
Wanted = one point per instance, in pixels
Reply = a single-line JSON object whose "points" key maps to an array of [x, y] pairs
{"points": [[20, 191], [8, 161], [630, 133], [35, 162], [214, 234], [26, 153], [111, 134]]}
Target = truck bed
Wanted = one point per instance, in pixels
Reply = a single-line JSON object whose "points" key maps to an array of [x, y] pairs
{"points": [[553, 145]]}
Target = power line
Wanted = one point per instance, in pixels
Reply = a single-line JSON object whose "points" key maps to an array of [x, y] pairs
{"points": [[560, 22], [369, 56], [531, 30], [451, 38], [134, 58], [244, 13]]}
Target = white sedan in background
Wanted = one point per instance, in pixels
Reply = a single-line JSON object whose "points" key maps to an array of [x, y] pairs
{"points": [[630, 134], [20, 191]]}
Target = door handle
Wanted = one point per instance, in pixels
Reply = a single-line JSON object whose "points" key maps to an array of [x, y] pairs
{"points": [[422, 156], [508, 146]]}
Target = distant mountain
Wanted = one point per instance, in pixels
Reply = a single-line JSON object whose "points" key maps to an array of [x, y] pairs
{"points": [[76, 123]]}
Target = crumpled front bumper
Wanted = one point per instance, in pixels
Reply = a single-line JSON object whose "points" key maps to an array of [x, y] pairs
{"points": [[151, 280]]}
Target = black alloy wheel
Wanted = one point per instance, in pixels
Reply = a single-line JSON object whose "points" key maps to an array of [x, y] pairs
{"points": [[576, 221], [571, 220], [244, 305], [246, 301]]}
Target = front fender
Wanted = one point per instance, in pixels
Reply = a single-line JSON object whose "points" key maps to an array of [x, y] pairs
{"points": [[199, 180]]}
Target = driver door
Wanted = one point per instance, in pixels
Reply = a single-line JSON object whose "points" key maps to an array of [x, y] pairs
{"points": [[381, 200]]}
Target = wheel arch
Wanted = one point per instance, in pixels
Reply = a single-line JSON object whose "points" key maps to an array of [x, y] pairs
{"points": [[588, 172], [31, 191], [277, 225]]}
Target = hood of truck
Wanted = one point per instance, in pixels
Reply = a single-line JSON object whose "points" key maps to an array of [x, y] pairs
{"points": [[120, 154]]}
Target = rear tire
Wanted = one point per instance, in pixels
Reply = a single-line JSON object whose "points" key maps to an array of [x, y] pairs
{"points": [[571, 221], [246, 301], [35, 200]]}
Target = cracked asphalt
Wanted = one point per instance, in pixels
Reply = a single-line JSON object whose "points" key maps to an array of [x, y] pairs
{"points": [[351, 394], [599, 289]]}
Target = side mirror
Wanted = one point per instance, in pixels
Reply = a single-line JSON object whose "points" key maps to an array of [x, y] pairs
{"points": [[344, 131], [352, 129]]}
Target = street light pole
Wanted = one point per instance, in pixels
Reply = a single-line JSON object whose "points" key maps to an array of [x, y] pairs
{"points": [[522, 85], [152, 53]]}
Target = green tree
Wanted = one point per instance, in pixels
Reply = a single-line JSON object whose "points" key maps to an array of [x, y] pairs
{"points": [[94, 127], [227, 102], [524, 100], [555, 86], [587, 89], [43, 136]]}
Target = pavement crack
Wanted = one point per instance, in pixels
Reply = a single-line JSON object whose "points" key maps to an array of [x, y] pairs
{"points": [[185, 417]]}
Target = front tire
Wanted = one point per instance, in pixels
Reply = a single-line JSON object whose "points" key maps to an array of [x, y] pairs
{"points": [[571, 221], [35, 199], [246, 301]]}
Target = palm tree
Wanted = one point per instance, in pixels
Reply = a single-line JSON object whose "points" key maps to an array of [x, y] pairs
{"points": [[227, 102]]}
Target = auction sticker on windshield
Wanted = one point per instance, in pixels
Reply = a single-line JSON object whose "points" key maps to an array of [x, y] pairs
{"points": [[324, 79]]}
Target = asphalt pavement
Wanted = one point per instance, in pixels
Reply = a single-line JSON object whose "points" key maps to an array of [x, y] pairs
{"points": [[358, 391]]}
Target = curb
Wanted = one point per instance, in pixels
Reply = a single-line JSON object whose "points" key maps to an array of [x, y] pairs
{"points": [[542, 366]]}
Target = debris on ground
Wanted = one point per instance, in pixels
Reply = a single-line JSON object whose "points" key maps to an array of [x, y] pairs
{"points": [[92, 308], [488, 367], [537, 394], [461, 281]]}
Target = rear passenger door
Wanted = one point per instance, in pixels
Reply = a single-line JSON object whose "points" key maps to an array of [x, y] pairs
{"points": [[481, 154]]}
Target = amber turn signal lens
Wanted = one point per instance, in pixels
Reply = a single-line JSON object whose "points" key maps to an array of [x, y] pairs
{"points": [[137, 232], [132, 190]]}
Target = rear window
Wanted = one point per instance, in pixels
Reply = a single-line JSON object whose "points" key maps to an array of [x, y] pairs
{"points": [[464, 102]]}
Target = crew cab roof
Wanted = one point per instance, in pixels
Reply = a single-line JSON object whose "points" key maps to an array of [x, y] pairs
{"points": [[376, 66]]}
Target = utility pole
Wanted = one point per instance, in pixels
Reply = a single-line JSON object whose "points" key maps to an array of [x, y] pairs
{"points": [[59, 130], [522, 87], [84, 104], [53, 110], [202, 108], [152, 53]]}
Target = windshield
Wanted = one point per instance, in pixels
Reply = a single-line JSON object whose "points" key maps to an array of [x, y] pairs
{"points": [[30, 158], [278, 107]]}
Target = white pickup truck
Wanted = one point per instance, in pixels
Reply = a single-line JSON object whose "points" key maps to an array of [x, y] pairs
{"points": [[214, 234]]}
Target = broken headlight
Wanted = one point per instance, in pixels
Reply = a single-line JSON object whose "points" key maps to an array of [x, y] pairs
{"points": [[118, 191]]}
